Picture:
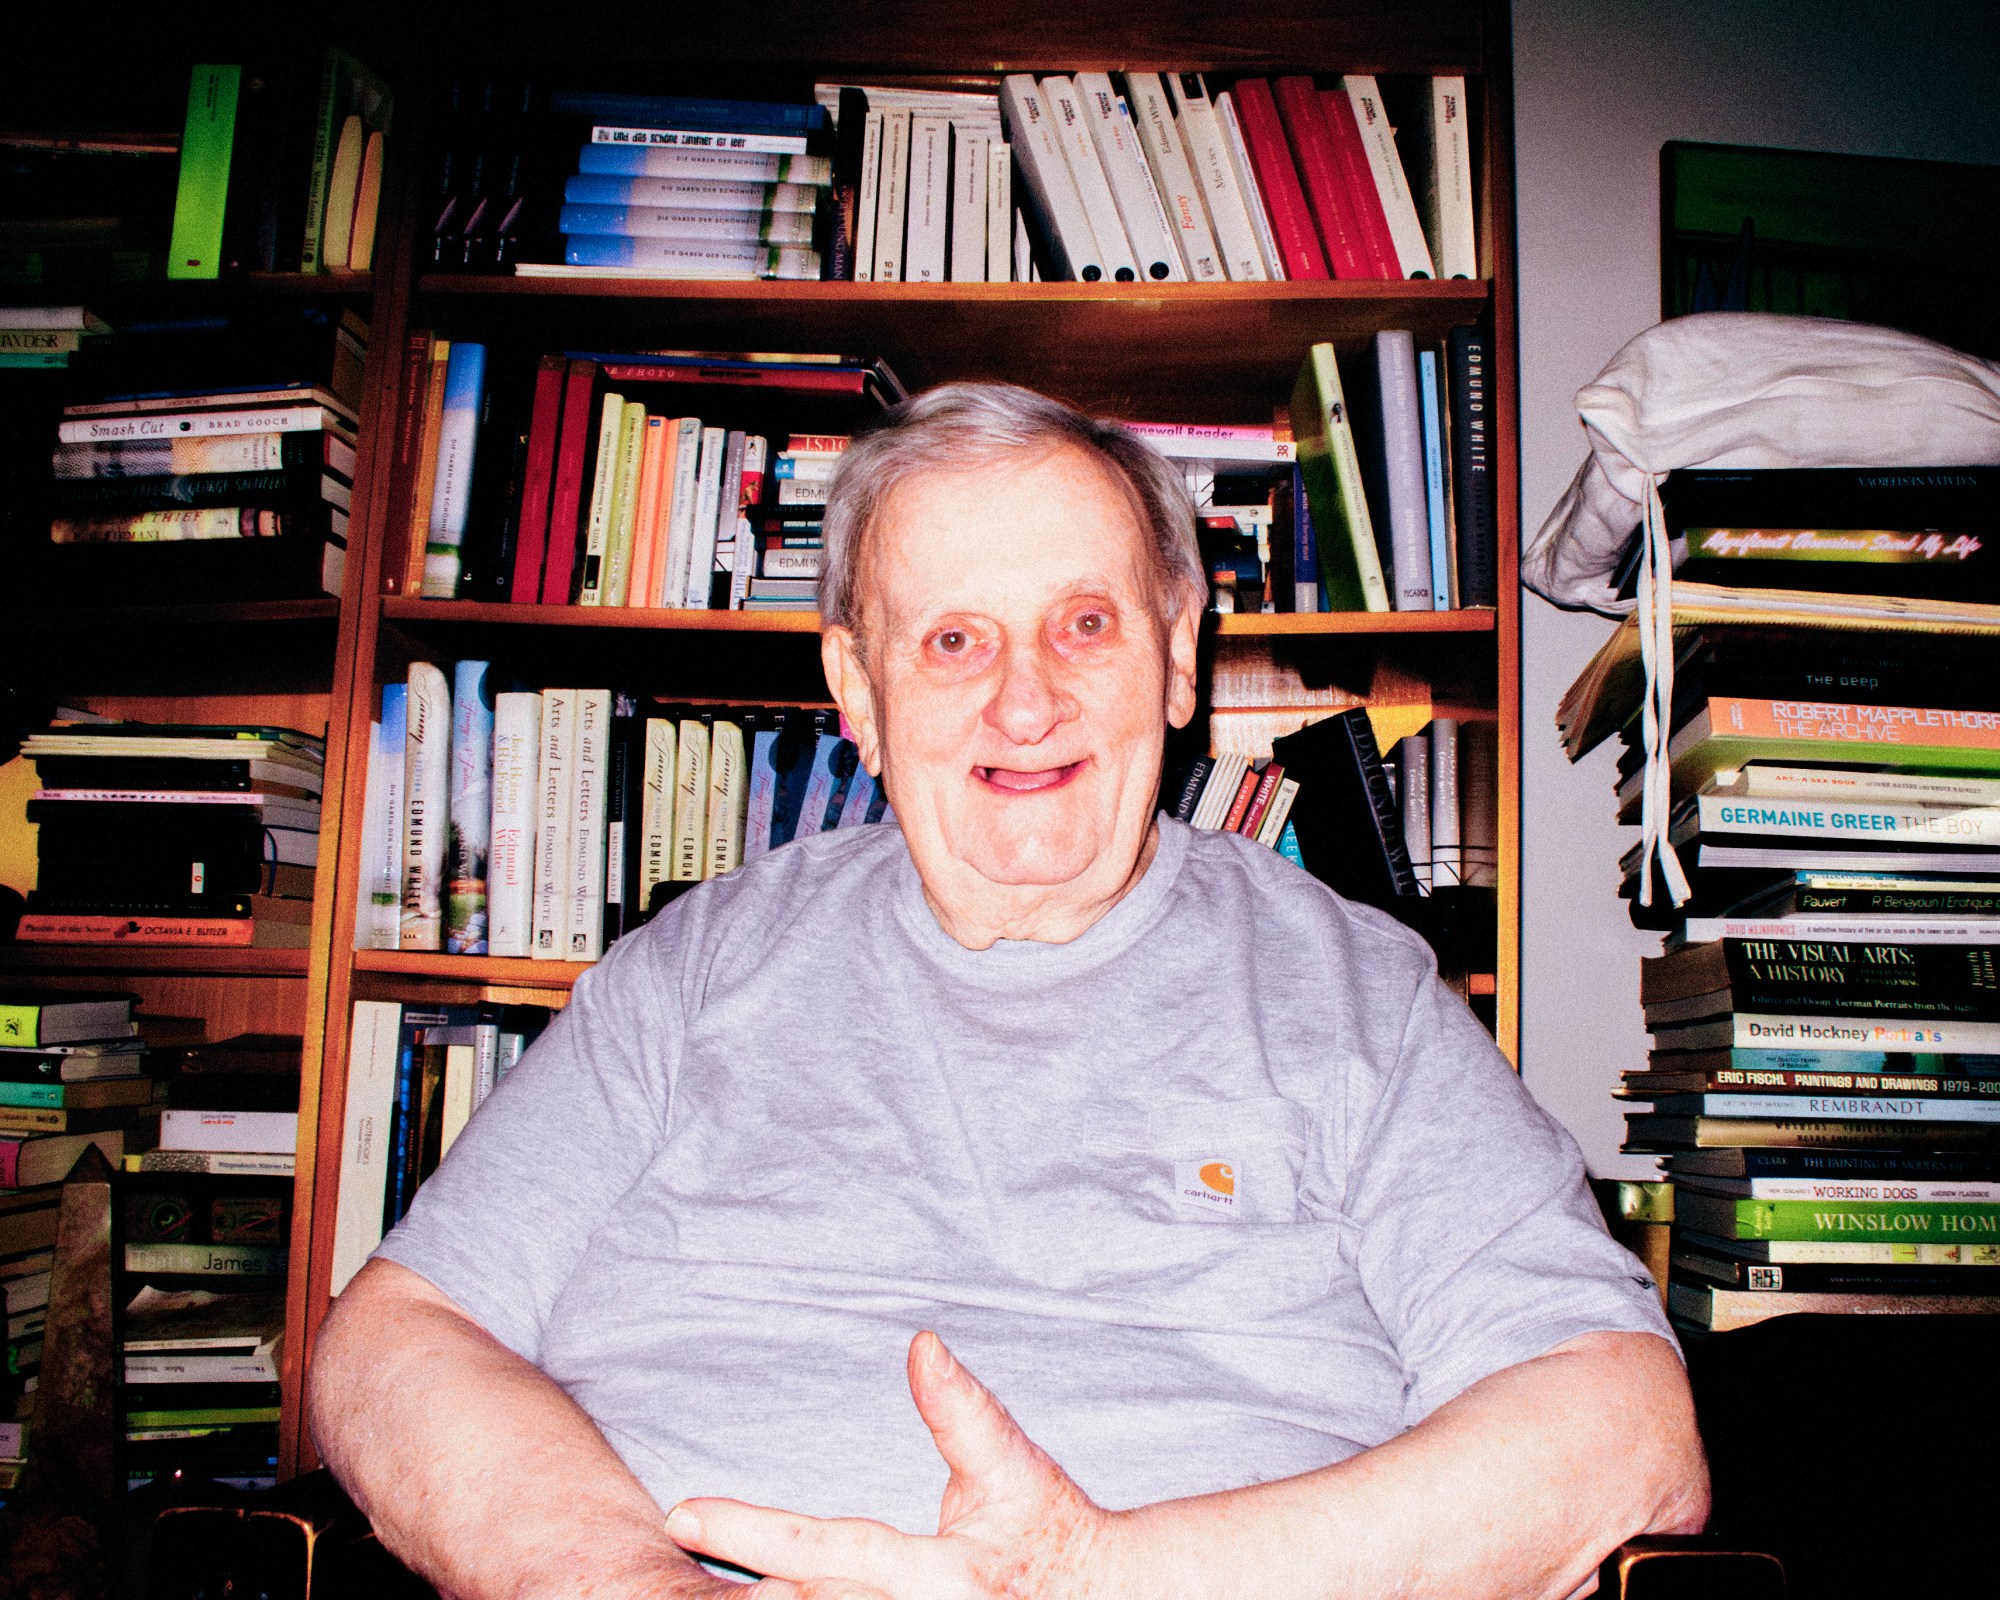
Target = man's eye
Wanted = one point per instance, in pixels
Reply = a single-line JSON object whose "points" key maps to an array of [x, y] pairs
{"points": [[1091, 624], [952, 641]]}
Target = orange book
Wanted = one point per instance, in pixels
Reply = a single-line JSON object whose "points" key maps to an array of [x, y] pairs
{"points": [[419, 508], [656, 465], [1246, 791]]}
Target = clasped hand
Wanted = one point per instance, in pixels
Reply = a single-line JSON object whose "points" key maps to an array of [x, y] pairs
{"points": [[1012, 1524]]}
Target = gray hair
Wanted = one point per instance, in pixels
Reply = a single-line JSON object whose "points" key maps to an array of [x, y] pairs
{"points": [[960, 425]]}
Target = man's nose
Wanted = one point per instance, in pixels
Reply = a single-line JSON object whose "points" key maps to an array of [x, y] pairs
{"points": [[1029, 702]]}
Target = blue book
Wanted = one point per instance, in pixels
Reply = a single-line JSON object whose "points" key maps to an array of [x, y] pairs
{"points": [[470, 833], [1430, 410], [1307, 592], [793, 759], [458, 440], [861, 789], [417, 1086], [1288, 847], [680, 111], [385, 865], [820, 807], [763, 793]]}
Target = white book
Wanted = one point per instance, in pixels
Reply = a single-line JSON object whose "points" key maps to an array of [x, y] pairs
{"points": [[1117, 144], [426, 808], [1025, 270], [1446, 858], [384, 864], [682, 504], [1219, 791], [167, 426], [1413, 253], [970, 172], [510, 867], [1414, 794], [1187, 212], [1403, 467], [376, 832], [1860, 928], [1051, 187], [690, 804], [1775, 781], [372, 1051], [707, 514], [1208, 159], [603, 499], [584, 940], [1093, 188], [892, 197], [662, 146], [999, 211], [1246, 184], [867, 198], [273, 1131], [728, 800], [552, 822], [52, 317], [926, 237], [973, 108], [783, 162], [1278, 813], [656, 807], [459, 1091], [1444, 180]]}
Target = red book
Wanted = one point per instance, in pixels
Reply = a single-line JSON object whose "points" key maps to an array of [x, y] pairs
{"points": [[1260, 802], [1332, 201], [403, 466], [1360, 182], [46, 927], [1245, 792], [565, 501], [834, 380], [544, 420], [1291, 221]]}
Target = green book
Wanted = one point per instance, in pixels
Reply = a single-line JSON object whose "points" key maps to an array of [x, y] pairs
{"points": [[195, 250], [1968, 1222], [1350, 562], [201, 1417]]}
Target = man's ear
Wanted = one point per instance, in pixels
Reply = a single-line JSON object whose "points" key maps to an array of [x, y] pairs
{"points": [[847, 677], [1183, 638]]}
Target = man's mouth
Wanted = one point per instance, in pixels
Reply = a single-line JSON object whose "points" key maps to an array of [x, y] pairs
{"points": [[1014, 781]]}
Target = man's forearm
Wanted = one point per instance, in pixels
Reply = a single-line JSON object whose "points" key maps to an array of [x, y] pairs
{"points": [[475, 1468], [1517, 1488]]}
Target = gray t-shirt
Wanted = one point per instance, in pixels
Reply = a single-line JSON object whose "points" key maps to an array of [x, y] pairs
{"points": [[1226, 1189]]}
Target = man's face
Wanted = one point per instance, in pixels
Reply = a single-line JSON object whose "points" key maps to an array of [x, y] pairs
{"points": [[1020, 676]]}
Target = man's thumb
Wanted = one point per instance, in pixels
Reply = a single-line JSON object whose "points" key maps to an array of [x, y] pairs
{"points": [[989, 1456]]}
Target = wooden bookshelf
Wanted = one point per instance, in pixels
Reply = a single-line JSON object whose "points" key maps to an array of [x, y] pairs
{"points": [[1201, 353]]}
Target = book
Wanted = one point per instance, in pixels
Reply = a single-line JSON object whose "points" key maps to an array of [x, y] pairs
{"points": [[688, 848], [1472, 465], [423, 484], [1294, 125], [1222, 779], [40, 926], [658, 786], [468, 836], [1140, 213], [1173, 178], [1788, 1165], [463, 401], [73, 1063], [1746, 1030], [892, 196], [249, 1131], [207, 143], [555, 810], [1831, 976], [624, 514], [1350, 565], [1093, 189], [85, 1096], [868, 197], [1437, 488], [1926, 1221], [927, 241], [1357, 184], [1052, 196], [565, 494], [1345, 818], [621, 255], [516, 766], [538, 481], [999, 210], [583, 938], [1839, 926], [1404, 472], [728, 800], [158, 428], [1699, 1267], [1414, 797], [689, 225], [426, 808], [1440, 143], [1385, 164], [707, 518], [1724, 1310], [29, 1160], [206, 1261], [1277, 180], [352, 102], [1247, 186], [1208, 159], [1657, 1130], [30, 1020]]}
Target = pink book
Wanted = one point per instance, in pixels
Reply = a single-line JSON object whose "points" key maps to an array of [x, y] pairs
{"points": [[1360, 183], [536, 479], [573, 445], [1332, 200], [1291, 220]]}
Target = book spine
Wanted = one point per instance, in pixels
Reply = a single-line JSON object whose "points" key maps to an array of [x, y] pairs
{"points": [[584, 913], [416, 545], [1403, 457], [1751, 1030], [1051, 187], [1180, 194], [168, 527], [892, 197], [1349, 560], [367, 203], [383, 867], [1447, 188], [689, 227], [171, 427], [1472, 466], [666, 152], [1437, 502], [617, 572], [999, 211], [926, 237], [1447, 862], [364, 1147], [674, 194], [1289, 117], [36, 927], [1239, 807], [659, 777], [1378, 139], [682, 509], [621, 762], [1415, 798], [603, 498], [1114, 250], [194, 249], [688, 163], [1117, 144], [690, 803], [707, 518], [470, 838], [326, 129], [850, 138], [544, 423], [692, 258], [971, 167], [1191, 787], [517, 728], [552, 824], [458, 442], [1934, 1222], [1854, 726], [262, 1131], [566, 495], [1260, 802], [1370, 227], [648, 526], [426, 807], [1208, 158], [868, 198], [1254, 196], [1279, 814], [343, 185], [1219, 792], [728, 801]]}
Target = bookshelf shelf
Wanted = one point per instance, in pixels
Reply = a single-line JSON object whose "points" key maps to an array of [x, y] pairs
{"points": [[122, 618], [153, 959], [509, 972]]}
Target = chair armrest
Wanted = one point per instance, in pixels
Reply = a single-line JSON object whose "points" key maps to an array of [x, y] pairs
{"points": [[1689, 1567]]}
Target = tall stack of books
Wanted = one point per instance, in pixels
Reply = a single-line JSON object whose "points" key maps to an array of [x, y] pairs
{"points": [[171, 834], [1824, 1081], [42, 338], [547, 823]]}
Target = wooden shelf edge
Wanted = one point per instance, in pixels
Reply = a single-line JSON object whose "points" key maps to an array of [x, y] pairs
{"points": [[1265, 624], [513, 972], [207, 614], [1451, 291], [165, 960]]}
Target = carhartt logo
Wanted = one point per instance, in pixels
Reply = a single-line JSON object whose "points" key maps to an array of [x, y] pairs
{"points": [[1206, 1185]]}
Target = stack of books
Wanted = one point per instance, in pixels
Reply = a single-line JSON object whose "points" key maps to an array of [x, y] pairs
{"points": [[548, 823], [40, 338], [583, 480], [415, 1076], [1824, 1081], [174, 834]]}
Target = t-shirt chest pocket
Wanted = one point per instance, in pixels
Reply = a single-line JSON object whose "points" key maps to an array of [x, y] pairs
{"points": [[1228, 1162]]}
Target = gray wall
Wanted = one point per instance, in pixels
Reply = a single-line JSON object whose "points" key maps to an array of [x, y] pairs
{"points": [[1599, 87]]}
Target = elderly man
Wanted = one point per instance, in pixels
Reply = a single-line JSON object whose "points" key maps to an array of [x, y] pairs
{"points": [[1274, 1280]]}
